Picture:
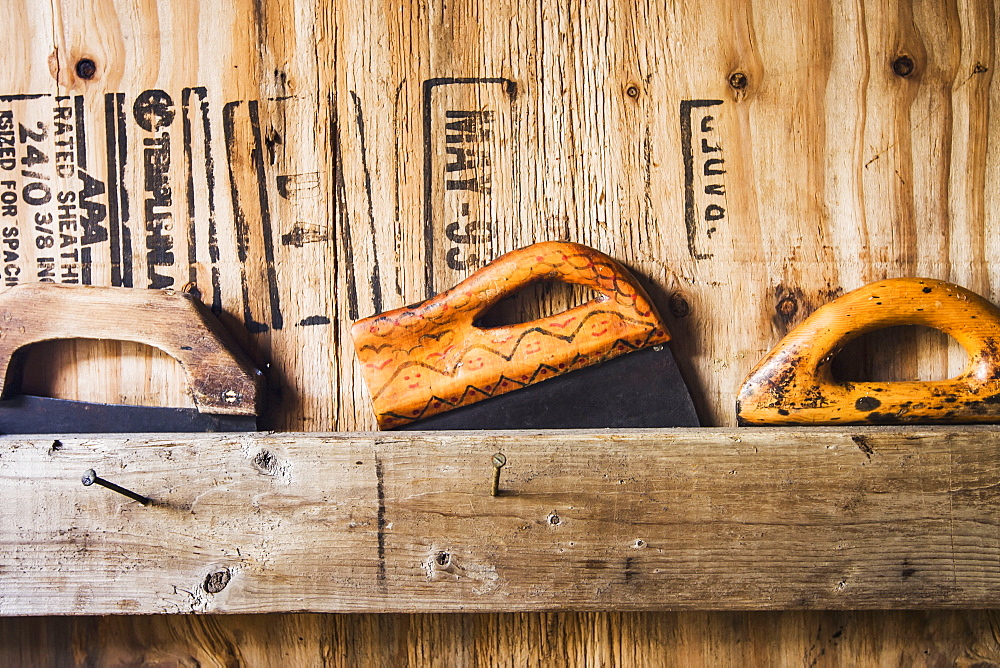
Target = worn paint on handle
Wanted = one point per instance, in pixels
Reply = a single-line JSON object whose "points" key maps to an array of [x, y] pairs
{"points": [[794, 384]]}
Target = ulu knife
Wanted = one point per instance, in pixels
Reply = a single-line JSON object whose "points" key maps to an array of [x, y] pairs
{"points": [[793, 384], [604, 363], [223, 382]]}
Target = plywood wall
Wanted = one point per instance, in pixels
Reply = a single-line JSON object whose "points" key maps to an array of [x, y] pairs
{"points": [[302, 164], [537, 639]]}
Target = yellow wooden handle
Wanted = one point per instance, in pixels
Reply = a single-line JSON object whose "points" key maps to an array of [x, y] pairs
{"points": [[793, 384], [430, 357], [221, 378]]}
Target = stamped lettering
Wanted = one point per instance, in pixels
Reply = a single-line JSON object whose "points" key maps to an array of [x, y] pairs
{"points": [[129, 190], [467, 151], [704, 170]]}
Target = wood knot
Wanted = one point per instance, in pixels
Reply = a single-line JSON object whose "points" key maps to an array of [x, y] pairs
{"points": [[678, 306], [632, 91], [217, 581], [787, 308], [266, 462], [738, 80], [903, 66]]}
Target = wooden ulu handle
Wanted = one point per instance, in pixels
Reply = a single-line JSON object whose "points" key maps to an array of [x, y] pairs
{"points": [[793, 384], [220, 377], [428, 358]]}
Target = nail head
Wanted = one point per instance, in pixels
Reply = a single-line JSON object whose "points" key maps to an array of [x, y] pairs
{"points": [[86, 68]]}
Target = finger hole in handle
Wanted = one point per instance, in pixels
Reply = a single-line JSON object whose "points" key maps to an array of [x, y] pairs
{"points": [[549, 261], [897, 354], [99, 371], [793, 383], [541, 300], [967, 317]]}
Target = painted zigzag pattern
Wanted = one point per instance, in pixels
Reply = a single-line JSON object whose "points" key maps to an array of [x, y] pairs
{"points": [[507, 357], [472, 393]]}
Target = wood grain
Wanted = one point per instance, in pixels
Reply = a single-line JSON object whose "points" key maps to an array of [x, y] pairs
{"points": [[839, 171], [649, 520], [310, 181], [431, 357], [794, 383], [912, 638]]}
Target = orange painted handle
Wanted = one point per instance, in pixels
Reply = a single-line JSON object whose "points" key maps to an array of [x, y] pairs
{"points": [[794, 384], [430, 357], [220, 377]]}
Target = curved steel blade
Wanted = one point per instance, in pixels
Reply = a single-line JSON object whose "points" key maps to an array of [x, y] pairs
{"points": [[27, 414]]}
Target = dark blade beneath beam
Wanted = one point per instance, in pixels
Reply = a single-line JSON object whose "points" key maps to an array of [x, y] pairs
{"points": [[641, 389], [26, 414]]}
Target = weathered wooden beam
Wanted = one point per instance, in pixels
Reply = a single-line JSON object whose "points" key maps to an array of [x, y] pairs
{"points": [[670, 519]]}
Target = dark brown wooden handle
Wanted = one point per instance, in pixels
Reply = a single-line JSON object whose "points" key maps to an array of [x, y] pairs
{"points": [[428, 358], [220, 377], [793, 384]]}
